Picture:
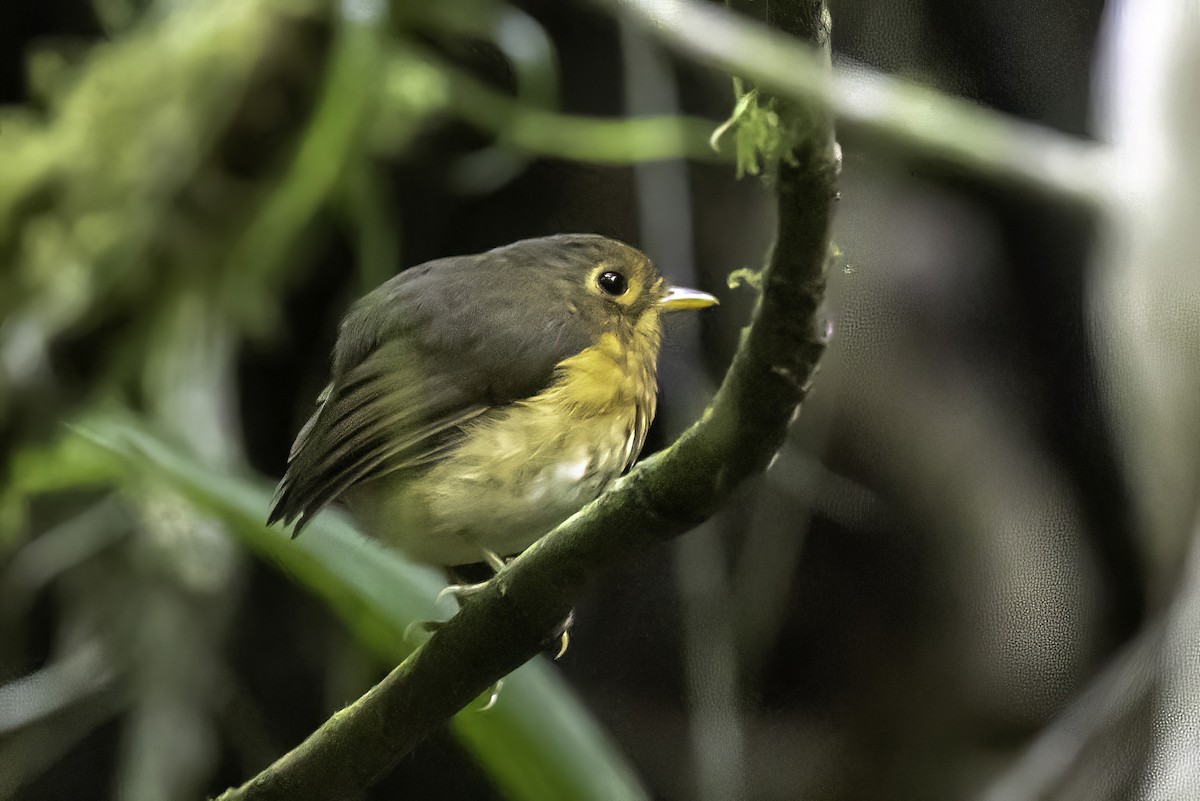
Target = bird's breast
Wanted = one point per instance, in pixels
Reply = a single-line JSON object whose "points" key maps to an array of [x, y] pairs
{"points": [[522, 469], [611, 377]]}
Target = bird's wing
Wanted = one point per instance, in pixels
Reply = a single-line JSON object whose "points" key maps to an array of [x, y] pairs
{"points": [[416, 360], [376, 418]]}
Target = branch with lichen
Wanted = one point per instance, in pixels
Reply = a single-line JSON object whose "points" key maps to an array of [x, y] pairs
{"points": [[886, 110], [509, 621]]}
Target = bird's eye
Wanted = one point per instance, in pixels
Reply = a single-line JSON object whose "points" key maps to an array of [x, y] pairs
{"points": [[612, 283]]}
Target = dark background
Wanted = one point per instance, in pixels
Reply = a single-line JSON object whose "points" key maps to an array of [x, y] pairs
{"points": [[907, 643]]}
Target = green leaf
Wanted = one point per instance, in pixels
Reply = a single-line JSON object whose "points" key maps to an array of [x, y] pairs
{"points": [[536, 742], [65, 463]]}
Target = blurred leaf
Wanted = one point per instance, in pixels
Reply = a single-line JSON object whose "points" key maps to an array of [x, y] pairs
{"points": [[537, 742], [56, 550], [74, 677], [370, 212], [69, 462], [24, 758]]}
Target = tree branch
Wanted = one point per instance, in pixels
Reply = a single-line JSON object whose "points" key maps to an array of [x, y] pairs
{"points": [[547, 133], [664, 496], [887, 110]]}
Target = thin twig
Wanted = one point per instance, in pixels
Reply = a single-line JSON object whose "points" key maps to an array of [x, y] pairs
{"points": [[549, 133], [889, 111]]}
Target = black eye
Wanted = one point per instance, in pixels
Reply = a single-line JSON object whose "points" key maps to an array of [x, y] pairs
{"points": [[612, 283]]}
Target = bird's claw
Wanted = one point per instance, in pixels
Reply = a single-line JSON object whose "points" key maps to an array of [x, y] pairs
{"points": [[564, 640], [494, 696], [424, 627], [563, 635], [462, 593], [494, 560]]}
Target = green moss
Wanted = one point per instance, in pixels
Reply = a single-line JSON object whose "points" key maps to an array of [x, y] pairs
{"points": [[745, 276], [762, 138]]}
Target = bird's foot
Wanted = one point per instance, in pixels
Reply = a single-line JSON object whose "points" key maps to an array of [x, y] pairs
{"points": [[418, 631], [495, 560], [558, 641], [463, 593]]}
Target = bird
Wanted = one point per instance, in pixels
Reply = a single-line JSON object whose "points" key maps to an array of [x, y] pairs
{"points": [[478, 401]]}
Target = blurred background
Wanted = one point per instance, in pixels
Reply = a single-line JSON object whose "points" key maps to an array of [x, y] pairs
{"points": [[922, 599]]}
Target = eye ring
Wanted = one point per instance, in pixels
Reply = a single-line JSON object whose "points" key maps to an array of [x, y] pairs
{"points": [[612, 283]]}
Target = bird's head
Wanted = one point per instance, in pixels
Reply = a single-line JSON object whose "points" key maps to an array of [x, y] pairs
{"points": [[611, 287]]}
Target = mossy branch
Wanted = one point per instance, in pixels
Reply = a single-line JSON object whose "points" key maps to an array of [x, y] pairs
{"points": [[509, 621], [886, 110]]}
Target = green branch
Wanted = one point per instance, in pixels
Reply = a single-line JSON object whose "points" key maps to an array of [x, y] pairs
{"points": [[587, 139], [664, 496], [417, 77], [888, 111]]}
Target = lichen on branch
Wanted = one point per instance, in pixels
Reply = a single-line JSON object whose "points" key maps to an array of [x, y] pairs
{"points": [[761, 139]]}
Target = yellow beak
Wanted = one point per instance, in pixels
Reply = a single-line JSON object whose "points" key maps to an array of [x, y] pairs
{"points": [[678, 298]]}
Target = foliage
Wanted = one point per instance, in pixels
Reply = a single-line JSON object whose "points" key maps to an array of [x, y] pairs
{"points": [[164, 191]]}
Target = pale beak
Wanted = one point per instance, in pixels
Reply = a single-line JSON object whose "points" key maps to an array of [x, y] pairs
{"points": [[678, 298]]}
